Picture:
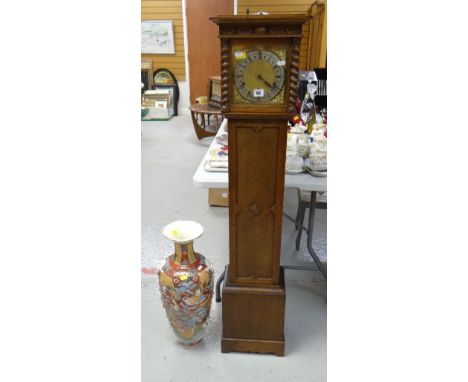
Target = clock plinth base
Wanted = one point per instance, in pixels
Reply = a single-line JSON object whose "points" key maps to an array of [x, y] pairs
{"points": [[229, 345], [253, 317]]}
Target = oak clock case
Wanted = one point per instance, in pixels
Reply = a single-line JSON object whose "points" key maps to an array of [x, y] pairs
{"points": [[259, 77]]}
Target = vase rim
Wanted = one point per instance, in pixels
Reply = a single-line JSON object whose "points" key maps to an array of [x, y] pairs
{"points": [[183, 231]]}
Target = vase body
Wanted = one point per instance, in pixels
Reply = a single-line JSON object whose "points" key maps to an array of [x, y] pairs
{"points": [[186, 284]]}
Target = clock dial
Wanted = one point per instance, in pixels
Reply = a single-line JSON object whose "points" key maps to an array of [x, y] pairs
{"points": [[259, 76]]}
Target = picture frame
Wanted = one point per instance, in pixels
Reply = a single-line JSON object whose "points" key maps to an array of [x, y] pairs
{"points": [[164, 79], [160, 104], [147, 74], [157, 37]]}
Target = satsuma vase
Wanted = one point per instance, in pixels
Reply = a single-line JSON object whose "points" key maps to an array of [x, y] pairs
{"points": [[186, 283]]}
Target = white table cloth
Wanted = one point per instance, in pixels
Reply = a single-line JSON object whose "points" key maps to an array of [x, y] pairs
{"points": [[210, 179]]}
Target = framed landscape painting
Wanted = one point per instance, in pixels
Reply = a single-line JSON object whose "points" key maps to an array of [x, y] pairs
{"points": [[157, 37]]}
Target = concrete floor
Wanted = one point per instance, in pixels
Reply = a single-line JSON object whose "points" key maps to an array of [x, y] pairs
{"points": [[170, 156]]}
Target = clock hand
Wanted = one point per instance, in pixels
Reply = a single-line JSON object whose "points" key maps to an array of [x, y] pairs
{"points": [[259, 76]]}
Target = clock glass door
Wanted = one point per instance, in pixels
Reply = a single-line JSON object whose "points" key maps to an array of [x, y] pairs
{"points": [[259, 75]]}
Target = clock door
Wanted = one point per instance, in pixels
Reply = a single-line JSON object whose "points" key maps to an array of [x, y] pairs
{"points": [[258, 77], [256, 185]]}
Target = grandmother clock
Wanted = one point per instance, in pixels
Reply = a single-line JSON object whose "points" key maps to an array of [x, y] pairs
{"points": [[259, 80]]}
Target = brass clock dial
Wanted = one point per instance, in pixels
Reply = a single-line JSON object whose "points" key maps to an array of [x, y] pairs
{"points": [[259, 76]]}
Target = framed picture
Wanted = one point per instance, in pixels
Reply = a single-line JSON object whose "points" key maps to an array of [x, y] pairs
{"points": [[164, 76], [161, 104], [164, 79], [157, 37], [214, 98], [146, 74]]}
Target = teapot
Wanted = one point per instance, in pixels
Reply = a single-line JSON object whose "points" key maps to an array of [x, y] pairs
{"points": [[298, 141], [318, 153]]}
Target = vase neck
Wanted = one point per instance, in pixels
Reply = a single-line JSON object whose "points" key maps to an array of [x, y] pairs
{"points": [[184, 254]]}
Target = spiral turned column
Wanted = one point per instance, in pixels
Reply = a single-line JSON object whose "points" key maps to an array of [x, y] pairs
{"points": [[295, 52], [224, 75]]}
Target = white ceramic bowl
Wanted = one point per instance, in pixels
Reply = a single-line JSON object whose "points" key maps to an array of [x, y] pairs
{"points": [[317, 162], [294, 163]]}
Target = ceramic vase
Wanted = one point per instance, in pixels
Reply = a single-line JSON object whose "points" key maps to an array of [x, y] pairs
{"points": [[186, 283]]}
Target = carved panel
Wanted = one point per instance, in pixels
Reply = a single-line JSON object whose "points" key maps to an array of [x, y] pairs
{"points": [[265, 30], [257, 174], [256, 179], [256, 209]]}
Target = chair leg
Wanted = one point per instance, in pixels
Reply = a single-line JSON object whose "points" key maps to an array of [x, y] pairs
{"points": [[300, 221]]}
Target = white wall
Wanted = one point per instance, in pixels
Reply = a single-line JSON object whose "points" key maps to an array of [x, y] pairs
{"points": [[184, 99]]}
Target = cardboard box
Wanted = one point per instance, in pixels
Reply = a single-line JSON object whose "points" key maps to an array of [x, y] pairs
{"points": [[218, 197]]}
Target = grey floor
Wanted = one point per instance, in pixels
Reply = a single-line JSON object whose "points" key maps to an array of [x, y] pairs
{"points": [[170, 156]]}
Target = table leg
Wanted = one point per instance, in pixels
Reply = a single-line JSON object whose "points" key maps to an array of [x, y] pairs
{"points": [[201, 133], [203, 120], [310, 231]]}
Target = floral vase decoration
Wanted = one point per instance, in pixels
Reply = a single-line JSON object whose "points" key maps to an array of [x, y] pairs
{"points": [[186, 283]]}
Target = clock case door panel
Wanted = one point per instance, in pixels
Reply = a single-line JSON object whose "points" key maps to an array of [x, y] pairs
{"points": [[270, 44], [257, 150]]}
